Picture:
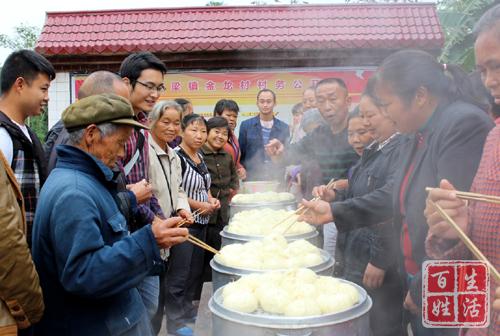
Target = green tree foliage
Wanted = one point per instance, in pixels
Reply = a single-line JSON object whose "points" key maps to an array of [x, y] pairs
{"points": [[457, 20], [25, 37]]}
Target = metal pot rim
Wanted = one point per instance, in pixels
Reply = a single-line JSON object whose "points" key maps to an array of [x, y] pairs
{"points": [[263, 204], [280, 322], [306, 235]]}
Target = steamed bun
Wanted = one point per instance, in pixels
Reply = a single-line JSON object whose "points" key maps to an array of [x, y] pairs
{"points": [[244, 301], [271, 253], [262, 222]]}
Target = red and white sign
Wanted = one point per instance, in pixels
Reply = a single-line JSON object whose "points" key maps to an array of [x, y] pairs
{"points": [[455, 294]]}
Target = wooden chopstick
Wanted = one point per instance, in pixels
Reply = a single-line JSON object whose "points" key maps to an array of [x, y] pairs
{"points": [[192, 239], [299, 210], [195, 213], [474, 196], [466, 240]]}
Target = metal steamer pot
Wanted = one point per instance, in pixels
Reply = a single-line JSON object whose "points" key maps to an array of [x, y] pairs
{"points": [[351, 322], [222, 274], [228, 238], [237, 207]]}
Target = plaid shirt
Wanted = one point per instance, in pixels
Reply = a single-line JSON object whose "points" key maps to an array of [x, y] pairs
{"points": [[28, 166], [331, 151], [148, 210], [484, 223]]}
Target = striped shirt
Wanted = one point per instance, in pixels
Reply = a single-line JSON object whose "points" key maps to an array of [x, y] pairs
{"points": [[195, 180], [140, 170]]}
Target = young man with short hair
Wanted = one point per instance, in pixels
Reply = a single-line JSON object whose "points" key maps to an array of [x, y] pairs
{"points": [[256, 133], [25, 81]]}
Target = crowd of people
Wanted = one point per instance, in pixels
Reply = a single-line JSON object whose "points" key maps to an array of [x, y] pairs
{"points": [[95, 221]]}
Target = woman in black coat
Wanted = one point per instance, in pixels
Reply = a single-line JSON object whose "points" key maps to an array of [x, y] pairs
{"points": [[368, 255]]}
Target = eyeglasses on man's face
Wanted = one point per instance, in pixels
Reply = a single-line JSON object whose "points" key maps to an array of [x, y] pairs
{"points": [[152, 88]]}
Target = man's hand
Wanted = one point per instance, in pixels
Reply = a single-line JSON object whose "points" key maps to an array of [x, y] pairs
{"points": [[142, 191], [374, 276], [446, 198], [186, 215], [410, 305], [318, 212], [496, 304], [324, 193], [167, 234], [274, 148], [341, 184], [242, 173]]}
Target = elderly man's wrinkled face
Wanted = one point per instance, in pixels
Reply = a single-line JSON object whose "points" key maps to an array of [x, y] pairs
{"points": [[108, 148]]}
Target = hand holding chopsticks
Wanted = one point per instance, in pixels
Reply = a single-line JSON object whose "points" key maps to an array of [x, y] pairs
{"points": [[467, 242], [301, 210], [192, 239], [447, 217], [473, 196]]}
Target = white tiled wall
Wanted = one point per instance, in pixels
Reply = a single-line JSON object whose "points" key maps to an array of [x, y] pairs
{"points": [[59, 96]]}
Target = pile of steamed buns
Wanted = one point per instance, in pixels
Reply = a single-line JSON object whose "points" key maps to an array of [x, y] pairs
{"points": [[293, 293], [261, 222], [271, 253]]}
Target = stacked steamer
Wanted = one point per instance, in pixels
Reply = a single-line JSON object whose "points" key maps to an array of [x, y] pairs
{"points": [[259, 238], [270, 277], [294, 302], [256, 215], [272, 253]]}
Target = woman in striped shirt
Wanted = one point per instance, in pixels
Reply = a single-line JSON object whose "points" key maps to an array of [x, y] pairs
{"points": [[186, 260]]}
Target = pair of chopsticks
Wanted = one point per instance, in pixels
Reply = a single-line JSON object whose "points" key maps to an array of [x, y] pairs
{"points": [[196, 241], [193, 240], [301, 210], [195, 214], [463, 237], [474, 196]]}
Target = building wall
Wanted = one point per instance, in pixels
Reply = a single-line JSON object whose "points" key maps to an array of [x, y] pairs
{"points": [[59, 96]]}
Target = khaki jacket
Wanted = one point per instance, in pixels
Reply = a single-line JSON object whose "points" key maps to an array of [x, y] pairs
{"points": [[163, 165], [21, 301]]}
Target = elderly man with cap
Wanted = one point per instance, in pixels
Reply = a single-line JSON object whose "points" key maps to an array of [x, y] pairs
{"points": [[89, 264]]}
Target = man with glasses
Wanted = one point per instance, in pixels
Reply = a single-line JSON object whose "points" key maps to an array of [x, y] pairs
{"points": [[143, 73]]}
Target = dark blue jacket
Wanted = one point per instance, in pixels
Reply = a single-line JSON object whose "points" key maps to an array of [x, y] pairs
{"points": [[89, 264], [253, 156]]}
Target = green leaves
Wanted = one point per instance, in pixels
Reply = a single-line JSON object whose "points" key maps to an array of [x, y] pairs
{"points": [[457, 19], [25, 37]]}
